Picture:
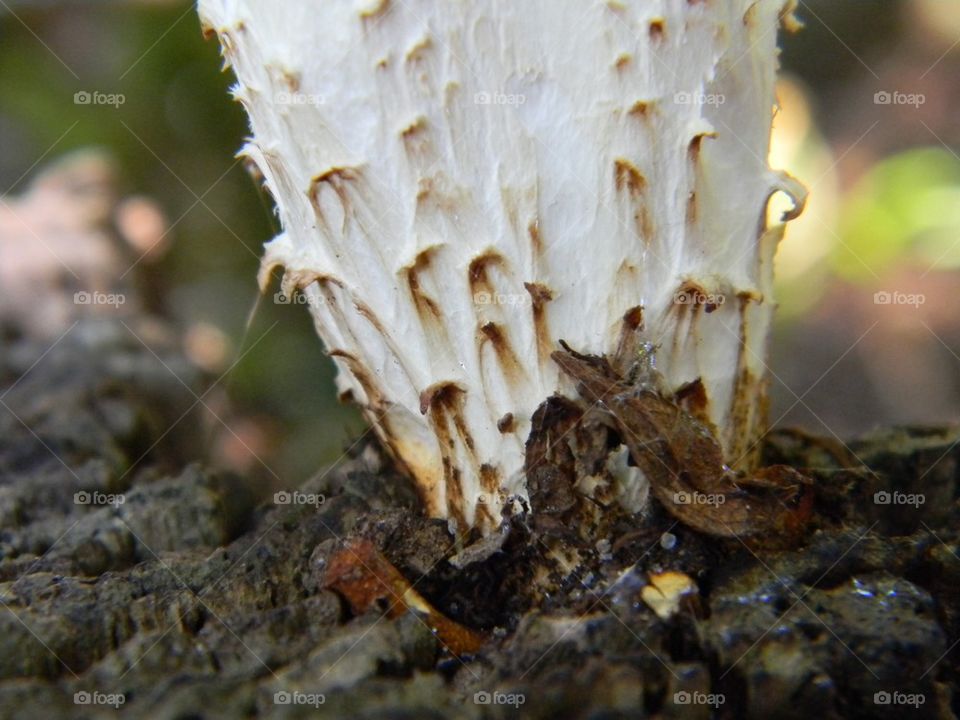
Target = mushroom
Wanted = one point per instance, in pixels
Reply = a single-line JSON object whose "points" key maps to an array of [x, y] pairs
{"points": [[463, 184]]}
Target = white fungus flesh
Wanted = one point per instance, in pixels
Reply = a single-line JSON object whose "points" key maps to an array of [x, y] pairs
{"points": [[462, 184]]}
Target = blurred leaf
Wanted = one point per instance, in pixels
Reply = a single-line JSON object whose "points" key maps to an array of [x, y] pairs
{"points": [[905, 207]]}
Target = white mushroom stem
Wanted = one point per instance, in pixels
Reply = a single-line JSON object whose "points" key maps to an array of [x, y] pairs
{"points": [[464, 183]]}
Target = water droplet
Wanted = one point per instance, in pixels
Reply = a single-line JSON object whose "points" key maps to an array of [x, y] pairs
{"points": [[668, 541]]}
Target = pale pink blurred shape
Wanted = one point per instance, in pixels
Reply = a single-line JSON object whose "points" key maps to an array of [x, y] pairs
{"points": [[241, 445], [207, 347], [143, 225], [55, 241]]}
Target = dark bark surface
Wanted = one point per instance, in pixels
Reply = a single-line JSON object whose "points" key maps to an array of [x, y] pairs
{"points": [[128, 570]]}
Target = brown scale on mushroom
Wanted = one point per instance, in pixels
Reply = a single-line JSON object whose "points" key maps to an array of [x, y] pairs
{"points": [[540, 295], [416, 142], [657, 29], [452, 476], [363, 377], [691, 215], [507, 359], [490, 484], [445, 404], [747, 389], [429, 311], [629, 179], [536, 241], [338, 179], [631, 331], [640, 109], [444, 400], [291, 79], [375, 11], [478, 273], [693, 149], [416, 52], [693, 153]]}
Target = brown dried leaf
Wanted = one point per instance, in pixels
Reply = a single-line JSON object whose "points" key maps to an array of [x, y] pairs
{"points": [[683, 461], [363, 576]]}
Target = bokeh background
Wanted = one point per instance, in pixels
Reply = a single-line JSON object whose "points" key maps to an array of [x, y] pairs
{"points": [[869, 121]]}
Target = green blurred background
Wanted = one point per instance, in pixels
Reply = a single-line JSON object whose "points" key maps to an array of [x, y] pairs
{"points": [[884, 214]]}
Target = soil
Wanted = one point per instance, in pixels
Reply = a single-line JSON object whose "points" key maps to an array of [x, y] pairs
{"points": [[132, 576]]}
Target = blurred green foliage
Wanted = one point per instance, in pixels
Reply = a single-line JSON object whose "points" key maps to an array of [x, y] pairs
{"points": [[906, 206], [175, 138]]}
